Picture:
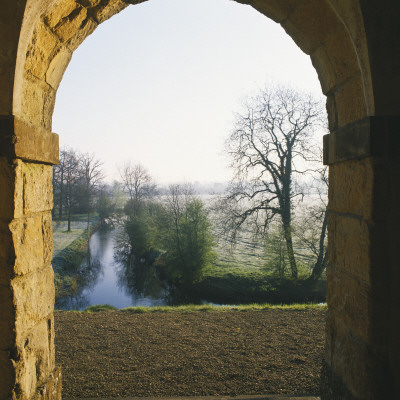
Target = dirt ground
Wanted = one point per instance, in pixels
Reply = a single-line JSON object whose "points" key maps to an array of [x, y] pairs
{"points": [[115, 354]]}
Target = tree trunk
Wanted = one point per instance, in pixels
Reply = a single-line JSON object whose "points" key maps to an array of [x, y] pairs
{"points": [[69, 190], [287, 229], [60, 209], [322, 259], [287, 215], [69, 217]]}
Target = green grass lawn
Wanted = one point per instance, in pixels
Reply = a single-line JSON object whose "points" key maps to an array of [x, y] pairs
{"points": [[62, 238]]}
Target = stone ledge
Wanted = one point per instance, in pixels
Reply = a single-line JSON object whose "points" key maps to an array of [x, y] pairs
{"points": [[369, 137], [19, 140]]}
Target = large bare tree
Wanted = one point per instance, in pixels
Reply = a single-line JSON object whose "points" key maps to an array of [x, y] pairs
{"points": [[270, 145]]}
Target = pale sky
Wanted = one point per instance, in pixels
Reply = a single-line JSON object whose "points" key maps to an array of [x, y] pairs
{"points": [[158, 84]]}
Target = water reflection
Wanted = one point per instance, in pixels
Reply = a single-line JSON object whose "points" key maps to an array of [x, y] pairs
{"points": [[139, 279], [85, 278], [111, 275]]}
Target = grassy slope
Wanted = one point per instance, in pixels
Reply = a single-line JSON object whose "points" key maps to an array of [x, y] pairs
{"points": [[69, 252], [62, 238], [207, 308]]}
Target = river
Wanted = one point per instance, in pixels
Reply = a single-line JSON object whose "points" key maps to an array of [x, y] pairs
{"points": [[105, 277]]}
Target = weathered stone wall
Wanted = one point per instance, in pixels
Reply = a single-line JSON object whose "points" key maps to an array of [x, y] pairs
{"points": [[27, 357], [313, 24], [363, 266]]}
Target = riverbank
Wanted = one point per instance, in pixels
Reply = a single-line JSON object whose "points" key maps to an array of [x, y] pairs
{"points": [[233, 285], [120, 354], [70, 249], [104, 276]]}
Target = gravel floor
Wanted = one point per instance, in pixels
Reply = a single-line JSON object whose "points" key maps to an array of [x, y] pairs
{"points": [[114, 354]]}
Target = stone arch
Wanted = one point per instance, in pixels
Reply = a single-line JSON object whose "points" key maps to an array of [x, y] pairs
{"points": [[354, 48], [53, 33]]}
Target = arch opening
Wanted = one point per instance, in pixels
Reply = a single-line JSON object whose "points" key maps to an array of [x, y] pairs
{"points": [[38, 47]]}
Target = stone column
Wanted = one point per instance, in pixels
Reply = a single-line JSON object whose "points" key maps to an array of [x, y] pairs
{"points": [[363, 350], [27, 357]]}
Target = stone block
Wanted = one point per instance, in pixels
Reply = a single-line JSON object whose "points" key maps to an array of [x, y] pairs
{"points": [[47, 232], [351, 359], [38, 188], [311, 23], [26, 142], [71, 23], [39, 52], [18, 189], [66, 29], [326, 71], [28, 244], [350, 247], [88, 3], [7, 376], [332, 112], [350, 101], [87, 27], [52, 388], [7, 255], [274, 9], [6, 318], [342, 55], [57, 67], [60, 12], [36, 357], [351, 300], [107, 10], [7, 180], [33, 299], [37, 103], [351, 187]]}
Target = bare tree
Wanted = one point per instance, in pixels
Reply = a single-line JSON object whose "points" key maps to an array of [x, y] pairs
{"points": [[91, 177], [139, 186], [311, 228], [137, 181], [65, 177], [71, 175], [270, 146]]}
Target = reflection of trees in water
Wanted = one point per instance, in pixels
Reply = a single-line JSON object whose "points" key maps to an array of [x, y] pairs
{"points": [[140, 277], [86, 276], [136, 277]]}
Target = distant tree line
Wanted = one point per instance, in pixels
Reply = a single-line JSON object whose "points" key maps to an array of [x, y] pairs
{"points": [[77, 185]]}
